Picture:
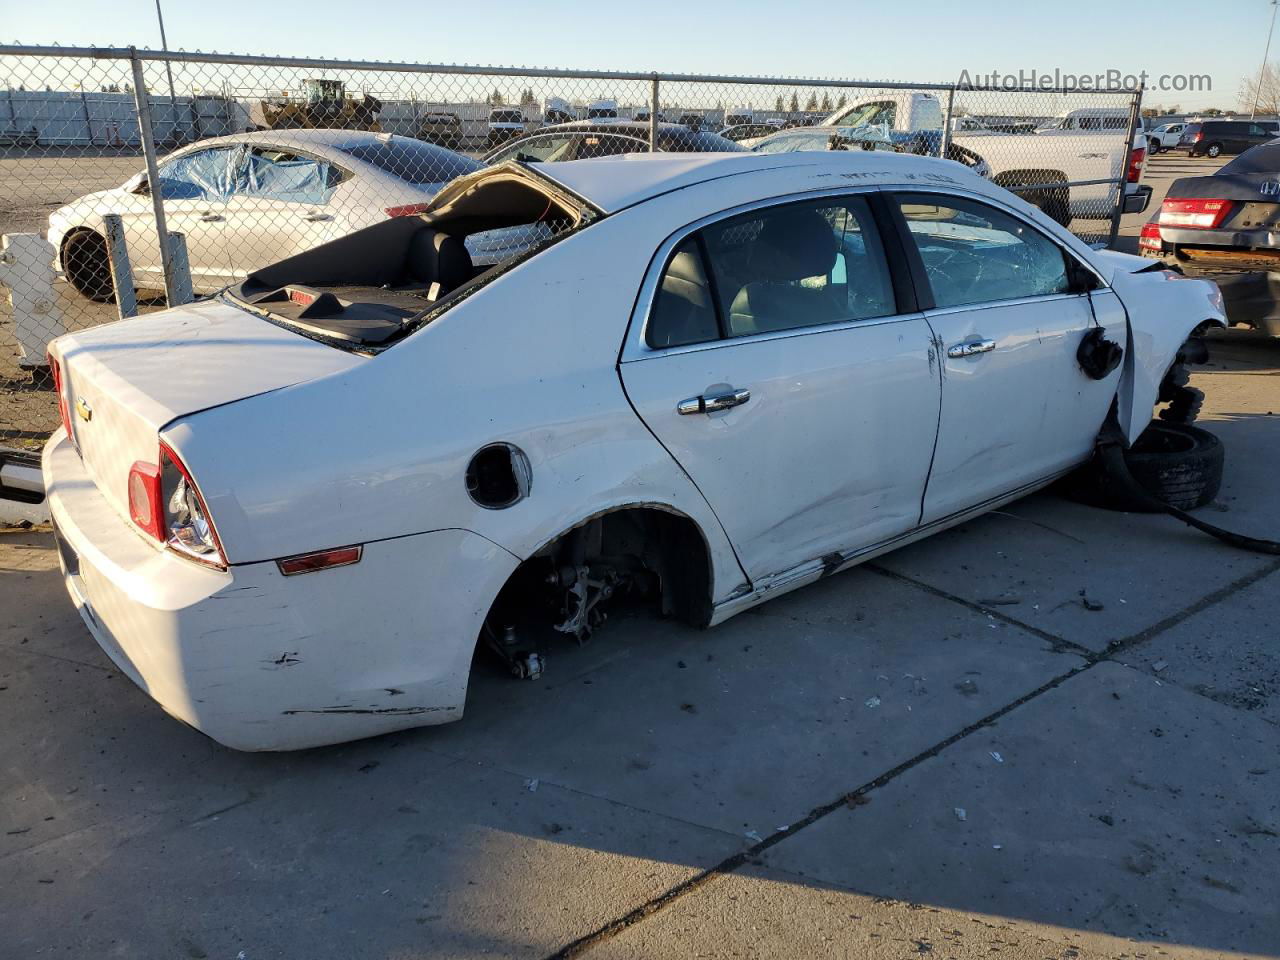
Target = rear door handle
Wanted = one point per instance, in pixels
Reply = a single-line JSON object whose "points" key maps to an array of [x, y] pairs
{"points": [[317, 217], [211, 218], [970, 348], [710, 403]]}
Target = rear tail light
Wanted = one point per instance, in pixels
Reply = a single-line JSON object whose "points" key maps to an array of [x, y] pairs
{"points": [[1196, 138], [1149, 241], [166, 504], [407, 210], [1137, 156], [64, 410], [1196, 213]]}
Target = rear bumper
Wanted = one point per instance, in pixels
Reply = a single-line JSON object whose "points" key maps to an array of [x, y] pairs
{"points": [[258, 661], [1137, 200]]}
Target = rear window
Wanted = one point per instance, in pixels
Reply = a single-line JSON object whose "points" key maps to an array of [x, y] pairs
{"points": [[411, 160], [1190, 128], [699, 142]]}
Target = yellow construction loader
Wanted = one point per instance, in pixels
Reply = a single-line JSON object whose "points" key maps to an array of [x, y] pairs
{"points": [[325, 103]]}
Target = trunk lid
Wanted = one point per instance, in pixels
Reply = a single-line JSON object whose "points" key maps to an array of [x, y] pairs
{"points": [[124, 381]]}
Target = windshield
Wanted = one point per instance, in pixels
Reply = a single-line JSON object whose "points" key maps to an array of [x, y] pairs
{"points": [[411, 160], [867, 113]]}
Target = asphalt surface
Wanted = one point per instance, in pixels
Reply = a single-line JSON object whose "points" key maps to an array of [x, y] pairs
{"points": [[1051, 732]]}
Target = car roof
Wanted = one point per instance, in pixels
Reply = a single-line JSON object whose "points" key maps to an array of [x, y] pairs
{"points": [[303, 139], [646, 175]]}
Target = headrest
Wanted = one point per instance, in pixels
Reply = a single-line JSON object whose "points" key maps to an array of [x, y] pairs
{"points": [[435, 256], [792, 245], [687, 267]]}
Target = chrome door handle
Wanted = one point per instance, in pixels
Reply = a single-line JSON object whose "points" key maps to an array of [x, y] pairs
{"points": [[970, 348], [211, 218], [713, 402], [317, 217]]}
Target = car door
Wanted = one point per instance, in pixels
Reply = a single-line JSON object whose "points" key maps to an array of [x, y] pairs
{"points": [[193, 186], [279, 206], [770, 357], [1016, 406]]}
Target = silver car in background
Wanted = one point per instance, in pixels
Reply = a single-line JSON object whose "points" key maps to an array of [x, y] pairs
{"points": [[251, 199]]}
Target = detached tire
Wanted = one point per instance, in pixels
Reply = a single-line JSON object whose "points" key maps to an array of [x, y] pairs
{"points": [[1176, 463]]}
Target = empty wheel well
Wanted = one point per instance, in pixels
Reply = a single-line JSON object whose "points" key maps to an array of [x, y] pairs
{"points": [[646, 551]]}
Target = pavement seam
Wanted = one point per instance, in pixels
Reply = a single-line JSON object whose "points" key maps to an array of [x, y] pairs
{"points": [[1058, 644], [582, 945], [53, 656]]}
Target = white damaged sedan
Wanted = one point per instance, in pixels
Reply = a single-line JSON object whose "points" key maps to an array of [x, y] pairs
{"points": [[292, 512]]}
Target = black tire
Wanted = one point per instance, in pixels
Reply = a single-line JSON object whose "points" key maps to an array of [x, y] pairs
{"points": [[88, 269], [1153, 146], [1053, 203], [1177, 463], [1213, 150]]}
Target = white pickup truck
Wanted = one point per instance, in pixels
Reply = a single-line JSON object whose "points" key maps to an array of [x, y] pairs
{"points": [[914, 121]]}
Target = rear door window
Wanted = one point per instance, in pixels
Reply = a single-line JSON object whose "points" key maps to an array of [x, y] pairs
{"points": [[771, 270], [272, 173]]}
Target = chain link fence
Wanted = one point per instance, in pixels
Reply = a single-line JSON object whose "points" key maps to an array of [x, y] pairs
{"points": [[130, 180]]}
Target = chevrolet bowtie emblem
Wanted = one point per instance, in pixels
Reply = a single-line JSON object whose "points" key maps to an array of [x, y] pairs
{"points": [[83, 408]]}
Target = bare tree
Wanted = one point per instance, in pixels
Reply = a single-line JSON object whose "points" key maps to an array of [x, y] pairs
{"points": [[1262, 88]]}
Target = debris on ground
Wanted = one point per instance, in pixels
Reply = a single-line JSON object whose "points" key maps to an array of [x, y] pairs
{"points": [[995, 755], [531, 784], [1159, 665], [1088, 604], [960, 813], [872, 702]]}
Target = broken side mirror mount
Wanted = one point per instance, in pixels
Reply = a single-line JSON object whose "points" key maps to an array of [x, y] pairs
{"points": [[1080, 279]]}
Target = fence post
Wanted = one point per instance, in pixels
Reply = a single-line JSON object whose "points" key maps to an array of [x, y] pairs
{"points": [[945, 146], [1135, 111], [181, 270], [121, 271], [142, 101], [653, 116]]}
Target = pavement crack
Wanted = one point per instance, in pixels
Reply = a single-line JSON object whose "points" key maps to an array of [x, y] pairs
{"points": [[1057, 644], [855, 797]]}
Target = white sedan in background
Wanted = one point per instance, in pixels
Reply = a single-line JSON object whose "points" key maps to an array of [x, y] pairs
{"points": [[251, 199], [292, 512]]}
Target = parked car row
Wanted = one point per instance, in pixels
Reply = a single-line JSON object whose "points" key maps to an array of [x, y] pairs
{"points": [[1227, 226], [247, 200]]}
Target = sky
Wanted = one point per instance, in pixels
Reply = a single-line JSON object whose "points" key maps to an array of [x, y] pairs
{"points": [[923, 40]]}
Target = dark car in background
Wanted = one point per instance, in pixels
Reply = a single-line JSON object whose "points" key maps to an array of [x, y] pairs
{"points": [[1227, 226], [442, 129], [584, 138], [1211, 138]]}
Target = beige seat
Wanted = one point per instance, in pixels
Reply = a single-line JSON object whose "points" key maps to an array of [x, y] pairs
{"points": [[793, 245]]}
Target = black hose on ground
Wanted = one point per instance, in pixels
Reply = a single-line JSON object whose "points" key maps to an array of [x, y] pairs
{"points": [[1111, 455]]}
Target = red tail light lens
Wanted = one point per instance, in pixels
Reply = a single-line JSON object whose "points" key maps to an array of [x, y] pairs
{"points": [[407, 210], [1149, 241], [64, 410], [322, 560], [166, 504], [1196, 138], [145, 498], [1137, 157], [1195, 213]]}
